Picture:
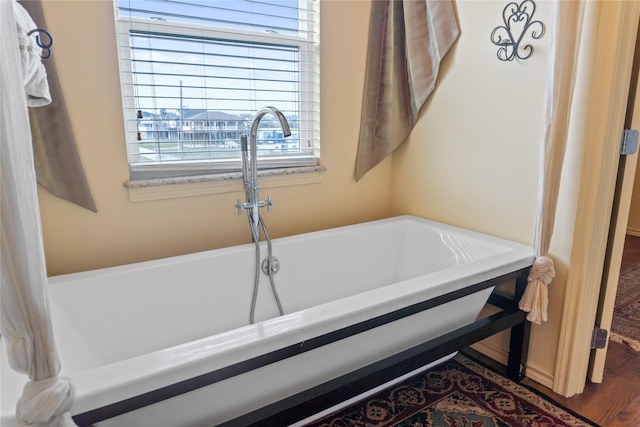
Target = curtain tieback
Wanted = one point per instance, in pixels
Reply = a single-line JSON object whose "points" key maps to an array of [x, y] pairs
{"points": [[536, 296], [44, 402]]}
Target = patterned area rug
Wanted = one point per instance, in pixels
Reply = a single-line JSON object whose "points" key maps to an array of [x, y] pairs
{"points": [[626, 314], [457, 393]]}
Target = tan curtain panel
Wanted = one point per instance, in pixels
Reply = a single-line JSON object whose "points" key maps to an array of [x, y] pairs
{"points": [[57, 162], [561, 76], [407, 41]]}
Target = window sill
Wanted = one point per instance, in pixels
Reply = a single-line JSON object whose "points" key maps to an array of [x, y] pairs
{"points": [[169, 188]]}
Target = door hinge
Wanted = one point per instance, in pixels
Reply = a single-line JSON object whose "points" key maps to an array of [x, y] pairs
{"points": [[599, 338], [629, 144]]}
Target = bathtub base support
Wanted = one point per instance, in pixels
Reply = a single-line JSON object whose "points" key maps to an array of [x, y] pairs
{"points": [[331, 393], [520, 332]]}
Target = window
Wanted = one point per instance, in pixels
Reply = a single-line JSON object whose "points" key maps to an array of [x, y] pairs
{"points": [[193, 74]]}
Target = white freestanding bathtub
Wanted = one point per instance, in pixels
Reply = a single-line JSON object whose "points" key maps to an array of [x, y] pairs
{"points": [[167, 342]]}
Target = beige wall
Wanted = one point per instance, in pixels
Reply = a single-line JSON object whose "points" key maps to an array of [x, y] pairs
{"points": [[472, 159], [124, 232]]}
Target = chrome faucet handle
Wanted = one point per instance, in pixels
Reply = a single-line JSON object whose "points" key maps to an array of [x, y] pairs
{"points": [[266, 203], [239, 206]]}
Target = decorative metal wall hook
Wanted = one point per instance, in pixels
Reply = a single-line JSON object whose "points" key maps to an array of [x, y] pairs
{"points": [[46, 45], [518, 23]]}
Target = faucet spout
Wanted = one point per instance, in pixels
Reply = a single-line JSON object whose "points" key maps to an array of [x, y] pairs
{"points": [[286, 130]]}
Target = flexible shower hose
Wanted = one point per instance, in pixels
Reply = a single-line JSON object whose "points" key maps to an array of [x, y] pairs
{"points": [[255, 231]]}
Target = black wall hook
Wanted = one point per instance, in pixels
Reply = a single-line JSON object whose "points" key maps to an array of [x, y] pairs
{"points": [[46, 45]]}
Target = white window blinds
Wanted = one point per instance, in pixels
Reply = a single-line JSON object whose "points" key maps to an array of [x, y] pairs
{"points": [[193, 74]]}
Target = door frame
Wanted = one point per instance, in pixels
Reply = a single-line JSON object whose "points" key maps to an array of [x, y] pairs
{"points": [[606, 75], [619, 224]]}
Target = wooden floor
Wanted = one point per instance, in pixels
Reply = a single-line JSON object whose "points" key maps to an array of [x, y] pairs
{"points": [[615, 402], [631, 254]]}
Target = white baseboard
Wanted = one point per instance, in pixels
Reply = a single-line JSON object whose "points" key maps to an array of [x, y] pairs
{"points": [[499, 354], [633, 232], [539, 375], [491, 350]]}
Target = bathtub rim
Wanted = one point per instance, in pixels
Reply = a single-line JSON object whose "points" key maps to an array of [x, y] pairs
{"points": [[53, 280]]}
